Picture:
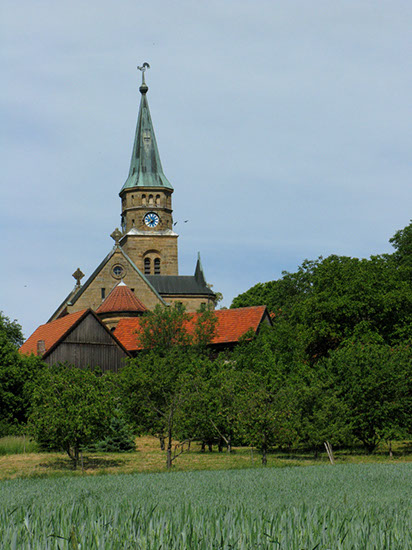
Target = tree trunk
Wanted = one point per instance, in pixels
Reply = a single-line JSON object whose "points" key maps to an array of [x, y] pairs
{"points": [[210, 445], [220, 445], [169, 449], [264, 457], [76, 454], [390, 449], [162, 442], [229, 444], [73, 454], [264, 451], [203, 447]]}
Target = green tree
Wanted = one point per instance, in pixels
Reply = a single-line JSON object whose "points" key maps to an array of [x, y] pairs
{"points": [[402, 242], [71, 408], [164, 327], [266, 399], [332, 300], [16, 373], [208, 413], [11, 331], [323, 417], [374, 384], [119, 438], [168, 326], [155, 384], [154, 390]]}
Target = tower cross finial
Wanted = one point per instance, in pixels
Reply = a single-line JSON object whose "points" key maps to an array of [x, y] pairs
{"points": [[143, 69]]}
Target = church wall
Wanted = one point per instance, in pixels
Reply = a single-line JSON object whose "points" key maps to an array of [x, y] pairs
{"points": [[191, 303], [92, 297]]}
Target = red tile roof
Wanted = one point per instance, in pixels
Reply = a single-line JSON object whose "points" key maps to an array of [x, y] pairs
{"points": [[121, 299], [231, 325], [51, 332]]}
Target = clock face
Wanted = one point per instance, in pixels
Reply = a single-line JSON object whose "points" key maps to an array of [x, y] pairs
{"points": [[151, 219]]}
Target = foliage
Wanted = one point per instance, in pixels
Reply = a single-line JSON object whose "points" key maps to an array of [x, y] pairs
{"points": [[155, 384], [163, 328], [169, 326], [402, 242], [266, 398], [16, 374], [345, 507], [207, 413], [71, 408], [204, 328], [153, 390], [11, 331], [331, 300], [373, 383], [119, 438], [322, 415]]}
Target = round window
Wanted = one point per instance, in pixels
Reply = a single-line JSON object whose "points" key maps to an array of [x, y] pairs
{"points": [[118, 271]]}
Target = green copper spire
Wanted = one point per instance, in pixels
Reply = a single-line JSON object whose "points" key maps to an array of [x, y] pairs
{"points": [[145, 166]]}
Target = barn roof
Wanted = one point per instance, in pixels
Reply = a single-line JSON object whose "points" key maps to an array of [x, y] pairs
{"points": [[54, 332], [121, 299], [231, 325]]}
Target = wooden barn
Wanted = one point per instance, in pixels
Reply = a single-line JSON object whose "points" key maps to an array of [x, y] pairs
{"points": [[80, 339]]}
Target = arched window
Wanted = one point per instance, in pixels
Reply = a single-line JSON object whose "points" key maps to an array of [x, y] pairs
{"points": [[157, 266], [147, 266], [157, 200], [143, 199], [151, 200]]}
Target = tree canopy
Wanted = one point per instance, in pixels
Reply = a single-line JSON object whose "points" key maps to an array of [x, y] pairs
{"points": [[332, 300], [71, 408], [16, 372]]}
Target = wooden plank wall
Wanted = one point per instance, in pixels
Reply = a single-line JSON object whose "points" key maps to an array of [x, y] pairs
{"points": [[89, 345]]}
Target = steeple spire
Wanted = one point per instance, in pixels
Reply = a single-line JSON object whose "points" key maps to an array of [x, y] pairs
{"points": [[199, 273], [145, 166]]}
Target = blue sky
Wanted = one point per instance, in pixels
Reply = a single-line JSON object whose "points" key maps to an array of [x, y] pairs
{"points": [[284, 127]]}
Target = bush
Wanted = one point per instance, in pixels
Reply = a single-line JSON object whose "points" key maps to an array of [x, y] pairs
{"points": [[120, 438]]}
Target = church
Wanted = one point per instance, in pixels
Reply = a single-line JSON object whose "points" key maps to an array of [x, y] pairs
{"points": [[98, 322], [145, 253]]}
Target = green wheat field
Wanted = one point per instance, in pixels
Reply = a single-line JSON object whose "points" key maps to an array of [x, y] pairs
{"points": [[365, 506]]}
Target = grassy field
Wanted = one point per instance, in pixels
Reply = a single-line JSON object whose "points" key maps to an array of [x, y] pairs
{"points": [[16, 461], [352, 506]]}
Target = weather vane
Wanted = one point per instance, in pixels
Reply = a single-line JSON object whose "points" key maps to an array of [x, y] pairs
{"points": [[143, 69]]}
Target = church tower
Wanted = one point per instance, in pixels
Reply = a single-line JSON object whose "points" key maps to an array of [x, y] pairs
{"points": [[147, 222], [144, 256]]}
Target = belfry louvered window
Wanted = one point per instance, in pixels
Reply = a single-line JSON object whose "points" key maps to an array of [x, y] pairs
{"points": [[147, 266], [157, 266]]}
